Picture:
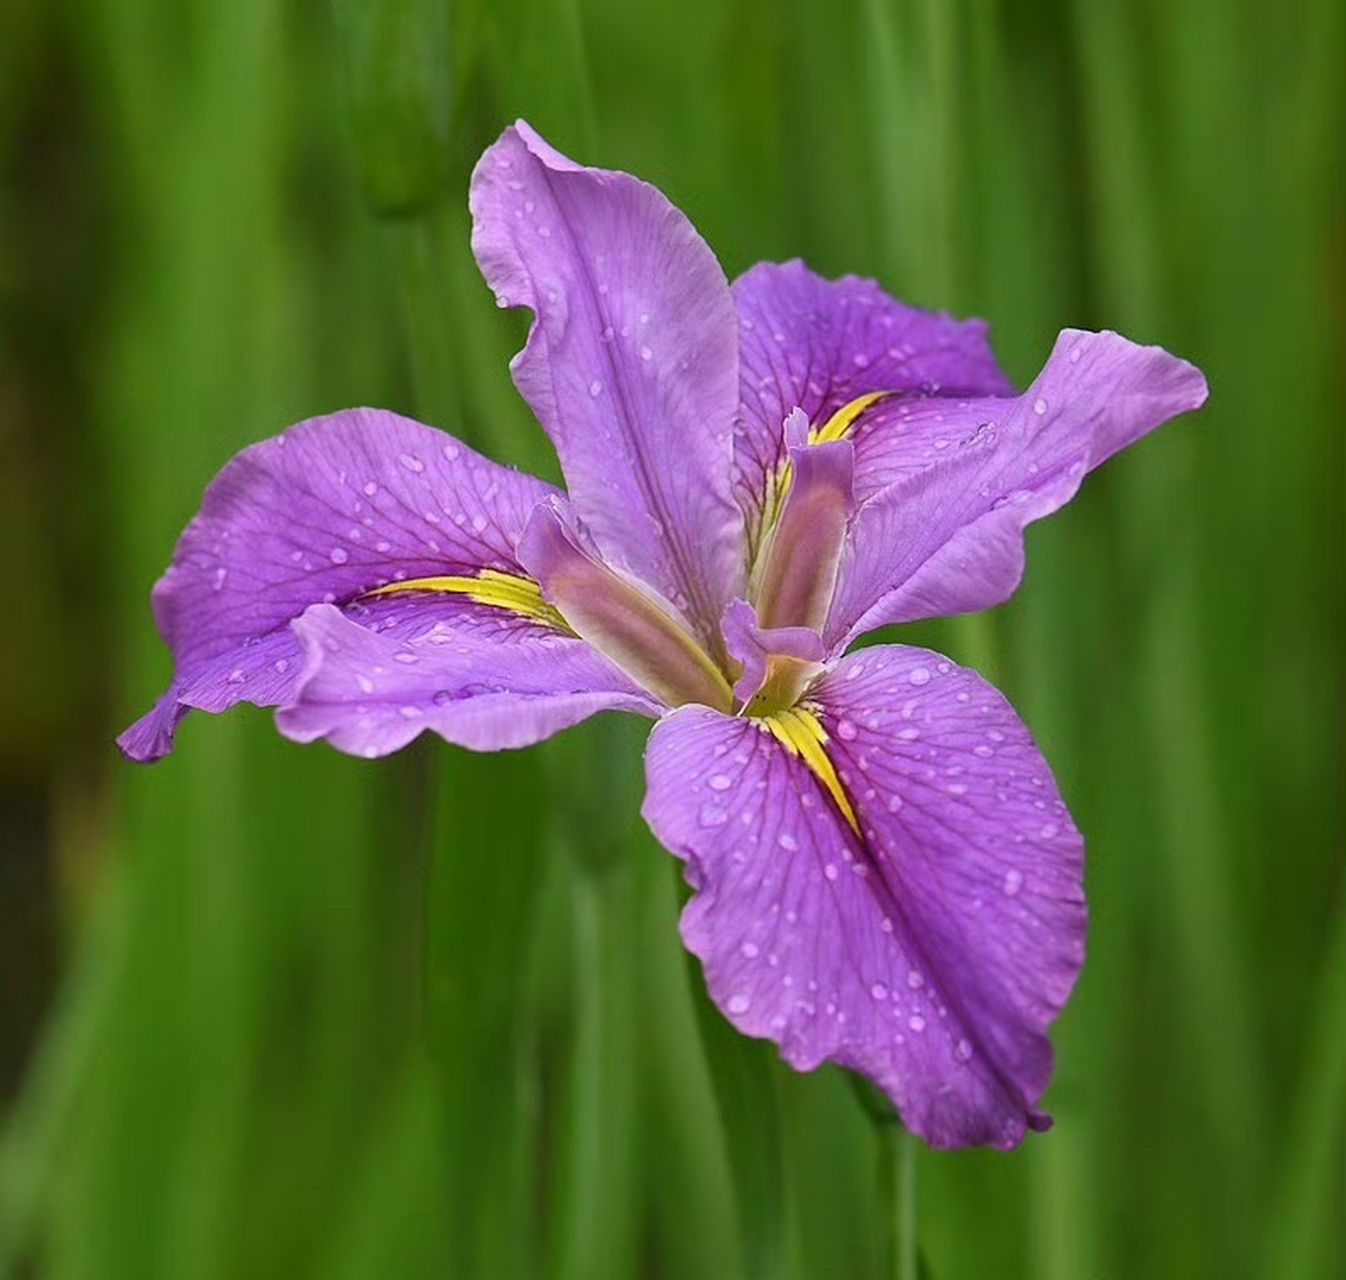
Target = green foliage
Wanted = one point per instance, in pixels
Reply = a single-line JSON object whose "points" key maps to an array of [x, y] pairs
{"points": [[429, 1018]]}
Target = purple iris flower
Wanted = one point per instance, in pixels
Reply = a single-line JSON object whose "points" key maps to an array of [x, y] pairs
{"points": [[884, 873]]}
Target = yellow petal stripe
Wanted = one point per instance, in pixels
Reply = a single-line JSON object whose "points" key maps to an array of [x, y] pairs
{"points": [[839, 423], [502, 590], [801, 734]]}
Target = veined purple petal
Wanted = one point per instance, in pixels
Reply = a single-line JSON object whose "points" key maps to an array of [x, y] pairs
{"points": [[630, 364], [946, 488], [370, 693], [929, 952], [332, 508], [821, 344]]}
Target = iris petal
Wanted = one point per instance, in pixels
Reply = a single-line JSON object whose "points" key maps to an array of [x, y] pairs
{"points": [[630, 363], [931, 949], [946, 488], [330, 510]]}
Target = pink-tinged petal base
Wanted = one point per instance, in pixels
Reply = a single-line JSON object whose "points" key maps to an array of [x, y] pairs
{"points": [[929, 953]]}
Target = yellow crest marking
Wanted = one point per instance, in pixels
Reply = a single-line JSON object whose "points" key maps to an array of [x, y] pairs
{"points": [[836, 427], [800, 732], [508, 591]]}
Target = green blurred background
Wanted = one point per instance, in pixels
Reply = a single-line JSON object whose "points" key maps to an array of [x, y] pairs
{"points": [[271, 1012]]}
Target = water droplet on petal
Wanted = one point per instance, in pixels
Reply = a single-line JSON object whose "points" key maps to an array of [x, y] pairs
{"points": [[646, 353], [1014, 881], [719, 782], [739, 1003], [412, 463], [338, 555], [787, 842], [846, 731], [962, 1050], [879, 991], [830, 871], [749, 949], [713, 815], [919, 675], [1039, 406], [916, 1022], [595, 388], [365, 683], [914, 980], [1049, 831]]}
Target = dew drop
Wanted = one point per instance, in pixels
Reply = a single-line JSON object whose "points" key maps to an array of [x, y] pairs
{"points": [[236, 676], [409, 712], [595, 388], [719, 782], [916, 1022], [1014, 881], [846, 731], [1039, 406], [962, 1050], [894, 803], [282, 665], [879, 991], [1049, 831], [713, 815], [365, 683], [412, 463], [338, 555], [451, 452], [830, 871], [787, 842], [739, 1003], [914, 980], [646, 353], [919, 675], [749, 949]]}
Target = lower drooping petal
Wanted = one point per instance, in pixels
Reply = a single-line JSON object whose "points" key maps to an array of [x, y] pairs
{"points": [[370, 692], [931, 950], [331, 508], [946, 487], [821, 344]]}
